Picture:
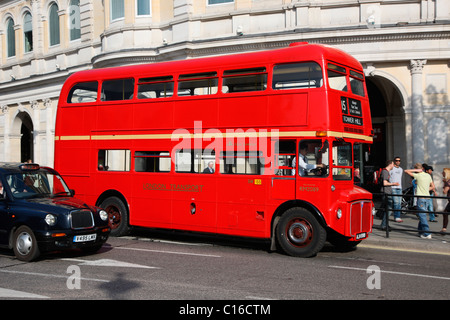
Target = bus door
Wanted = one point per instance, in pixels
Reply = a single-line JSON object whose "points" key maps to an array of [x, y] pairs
{"points": [[194, 190], [283, 181], [312, 166]]}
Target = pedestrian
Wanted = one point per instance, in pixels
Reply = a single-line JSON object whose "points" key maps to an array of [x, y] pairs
{"points": [[429, 169], [424, 185], [387, 190], [396, 175], [446, 179]]}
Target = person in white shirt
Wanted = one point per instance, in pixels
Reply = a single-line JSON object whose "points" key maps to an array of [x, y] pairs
{"points": [[396, 175], [303, 165]]}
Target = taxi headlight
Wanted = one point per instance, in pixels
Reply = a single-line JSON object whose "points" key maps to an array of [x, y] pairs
{"points": [[103, 215], [50, 219]]}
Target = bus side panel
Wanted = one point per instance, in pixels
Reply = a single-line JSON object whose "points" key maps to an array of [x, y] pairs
{"points": [[151, 115], [288, 110], [243, 108], [185, 113], [152, 201], [113, 116], [73, 164], [241, 206], [194, 202]]}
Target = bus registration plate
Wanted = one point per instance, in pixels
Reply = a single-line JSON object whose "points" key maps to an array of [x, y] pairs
{"points": [[84, 238], [361, 235]]}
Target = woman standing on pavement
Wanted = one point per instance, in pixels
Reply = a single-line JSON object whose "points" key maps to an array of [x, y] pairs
{"points": [[446, 176]]}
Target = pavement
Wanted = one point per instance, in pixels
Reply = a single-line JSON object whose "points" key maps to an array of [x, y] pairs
{"points": [[404, 236]]}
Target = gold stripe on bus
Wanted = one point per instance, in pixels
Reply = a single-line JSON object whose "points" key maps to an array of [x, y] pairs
{"points": [[71, 138], [209, 135]]}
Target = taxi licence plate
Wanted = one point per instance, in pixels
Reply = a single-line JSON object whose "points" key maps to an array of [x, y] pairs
{"points": [[85, 237]]}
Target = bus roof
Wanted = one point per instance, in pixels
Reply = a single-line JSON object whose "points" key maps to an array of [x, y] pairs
{"points": [[298, 51]]}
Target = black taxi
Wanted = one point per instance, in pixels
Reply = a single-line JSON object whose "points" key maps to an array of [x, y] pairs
{"points": [[38, 213]]}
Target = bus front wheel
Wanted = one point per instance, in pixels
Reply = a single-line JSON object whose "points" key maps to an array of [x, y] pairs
{"points": [[117, 215], [299, 233]]}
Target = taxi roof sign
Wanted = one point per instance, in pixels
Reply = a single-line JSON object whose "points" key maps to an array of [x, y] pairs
{"points": [[29, 166]]}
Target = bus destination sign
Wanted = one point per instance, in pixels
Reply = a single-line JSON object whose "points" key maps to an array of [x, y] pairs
{"points": [[351, 111]]}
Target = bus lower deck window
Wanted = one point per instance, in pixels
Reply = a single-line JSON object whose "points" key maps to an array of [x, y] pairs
{"points": [[241, 162], [193, 161], [152, 161], [114, 160]]}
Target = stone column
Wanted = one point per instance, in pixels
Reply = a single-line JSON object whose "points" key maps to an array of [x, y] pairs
{"points": [[418, 139], [6, 147]]}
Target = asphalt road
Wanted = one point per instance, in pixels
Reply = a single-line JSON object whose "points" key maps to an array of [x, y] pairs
{"points": [[145, 267]]}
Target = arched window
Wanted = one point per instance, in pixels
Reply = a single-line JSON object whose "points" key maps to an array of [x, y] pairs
{"points": [[10, 37], [75, 20], [53, 18], [28, 32]]}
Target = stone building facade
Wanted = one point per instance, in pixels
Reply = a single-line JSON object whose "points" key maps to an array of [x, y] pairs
{"points": [[404, 46]]}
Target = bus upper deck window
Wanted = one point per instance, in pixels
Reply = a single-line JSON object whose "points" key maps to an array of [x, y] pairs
{"points": [[83, 92], [198, 84], [297, 76], [113, 90], [243, 80], [156, 87], [337, 77], [357, 83]]}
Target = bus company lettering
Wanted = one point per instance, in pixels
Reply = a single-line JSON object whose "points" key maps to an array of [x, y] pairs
{"points": [[309, 188], [173, 187]]}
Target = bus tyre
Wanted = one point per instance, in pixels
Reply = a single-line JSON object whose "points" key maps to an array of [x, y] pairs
{"points": [[25, 245], [117, 215], [299, 233]]}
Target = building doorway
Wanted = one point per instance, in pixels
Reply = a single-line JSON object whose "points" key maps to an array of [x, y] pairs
{"points": [[23, 138], [387, 108]]}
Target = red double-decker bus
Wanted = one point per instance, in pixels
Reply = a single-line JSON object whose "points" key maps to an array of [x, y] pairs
{"points": [[258, 145]]}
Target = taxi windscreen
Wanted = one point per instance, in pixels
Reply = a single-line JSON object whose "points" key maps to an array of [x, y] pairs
{"points": [[40, 183]]}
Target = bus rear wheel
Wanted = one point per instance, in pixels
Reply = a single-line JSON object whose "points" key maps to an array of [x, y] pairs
{"points": [[117, 215], [299, 233]]}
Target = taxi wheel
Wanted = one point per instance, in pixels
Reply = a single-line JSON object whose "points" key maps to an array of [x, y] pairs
{"points": [[25, 245], [299, 233]]}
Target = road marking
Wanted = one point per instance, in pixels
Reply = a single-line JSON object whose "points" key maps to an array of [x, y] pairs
{"points": [[200, 244], [371, 246], [49, 275], [7, 293], [108, 263], [170, 252], [393, 272]]}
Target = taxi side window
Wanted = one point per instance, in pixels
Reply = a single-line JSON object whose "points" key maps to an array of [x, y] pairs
{"points": [[2, 191]]}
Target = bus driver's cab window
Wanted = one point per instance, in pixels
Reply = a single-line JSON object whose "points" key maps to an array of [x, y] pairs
{"points": [[312, 159]]}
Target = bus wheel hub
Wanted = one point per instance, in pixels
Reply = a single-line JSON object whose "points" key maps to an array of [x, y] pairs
{"points": [[299, 233]]}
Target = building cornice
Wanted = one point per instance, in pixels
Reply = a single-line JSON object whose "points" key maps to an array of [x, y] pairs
{"points": [[264, 41]]}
